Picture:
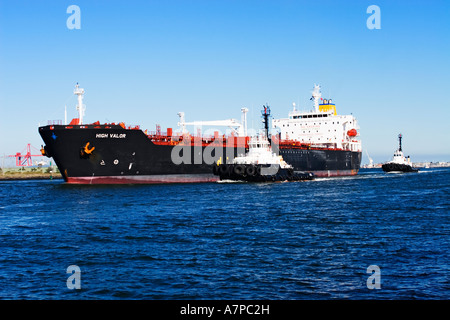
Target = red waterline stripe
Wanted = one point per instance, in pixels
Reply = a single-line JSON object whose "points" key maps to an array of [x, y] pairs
{"points": [[149, 179], [335, 173]]}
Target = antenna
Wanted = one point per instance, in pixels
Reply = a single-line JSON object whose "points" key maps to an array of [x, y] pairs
{"points": [[266, 114], [244, 120], [182, 122]]}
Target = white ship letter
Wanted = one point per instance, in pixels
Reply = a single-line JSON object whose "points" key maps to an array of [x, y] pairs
{"points": [[185, 158], [217, 148], [373, 282], [374, 21], [74, 281], [74, 21]]}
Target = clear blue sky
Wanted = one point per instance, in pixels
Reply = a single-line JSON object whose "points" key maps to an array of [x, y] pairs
{"points": [[143, 61]]}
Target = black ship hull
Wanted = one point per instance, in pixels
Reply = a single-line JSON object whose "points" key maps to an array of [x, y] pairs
{"points": [[323, 162], [397, 167], [259, 173], [111, 154]]}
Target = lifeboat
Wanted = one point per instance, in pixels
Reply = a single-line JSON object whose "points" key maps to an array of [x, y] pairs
{"points": [[352, 133]]}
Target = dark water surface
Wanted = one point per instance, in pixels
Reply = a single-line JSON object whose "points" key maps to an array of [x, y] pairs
{"points": [[299, 240]]}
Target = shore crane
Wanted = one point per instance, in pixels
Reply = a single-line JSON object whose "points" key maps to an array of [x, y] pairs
{"points": [[370, 160], [25, 160]]}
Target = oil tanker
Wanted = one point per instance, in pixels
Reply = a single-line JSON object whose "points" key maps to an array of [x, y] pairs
{"points": [[318, 141]]}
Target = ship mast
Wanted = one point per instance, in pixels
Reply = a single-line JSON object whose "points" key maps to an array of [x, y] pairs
{"points": [[266, 115], [316, 95], [400, 142], [80, 107], [244, 120]]}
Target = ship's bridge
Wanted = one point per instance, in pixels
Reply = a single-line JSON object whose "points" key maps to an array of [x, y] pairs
{"points": [[320, 127], [309, 115], [325, 109]]}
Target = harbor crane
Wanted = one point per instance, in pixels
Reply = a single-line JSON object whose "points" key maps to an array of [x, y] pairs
{"points": [[25, 159], [370, 160]]}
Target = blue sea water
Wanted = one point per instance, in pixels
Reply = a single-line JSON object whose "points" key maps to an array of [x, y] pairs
{"points": [[281, 241]]}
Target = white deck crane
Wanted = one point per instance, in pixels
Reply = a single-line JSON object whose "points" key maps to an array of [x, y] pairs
{"points": [[240, 129]]}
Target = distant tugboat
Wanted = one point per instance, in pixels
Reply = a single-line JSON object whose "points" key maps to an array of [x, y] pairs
{"points": [[260, 163], [399, 162]]}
